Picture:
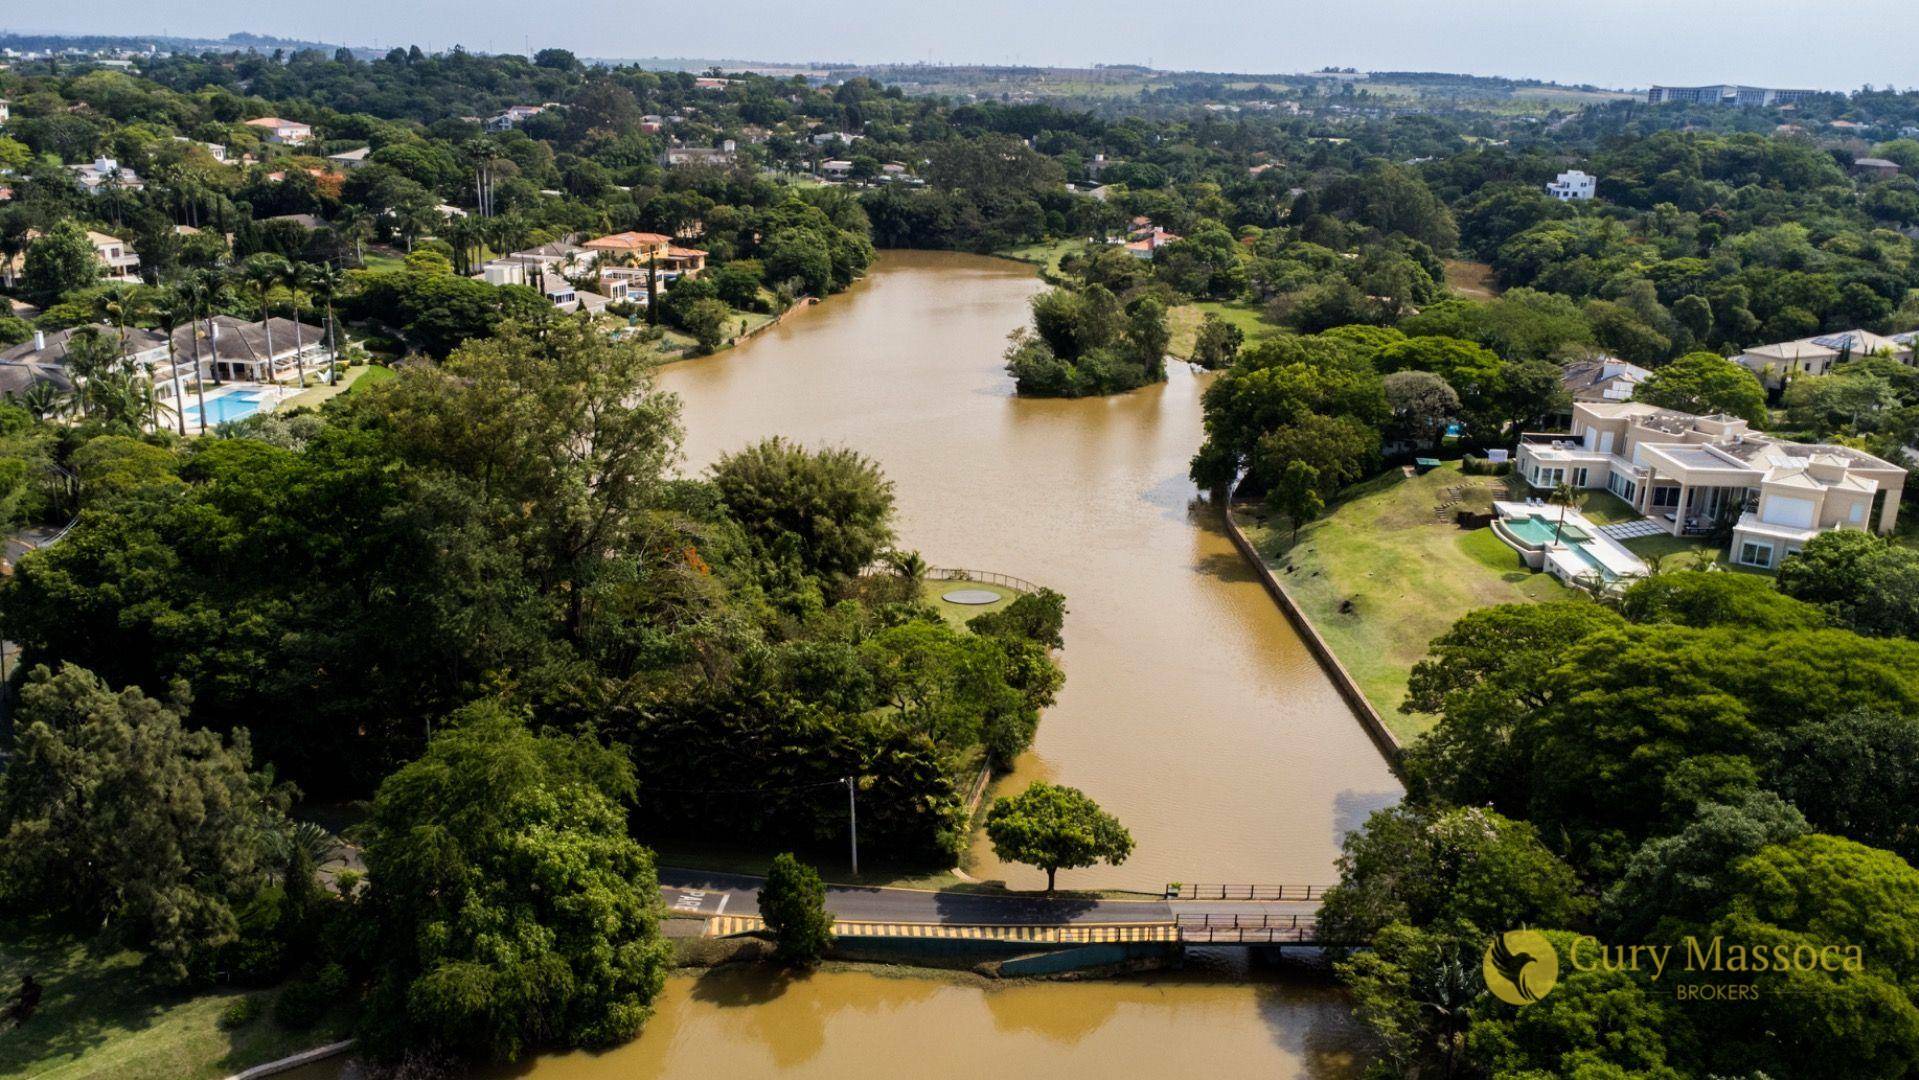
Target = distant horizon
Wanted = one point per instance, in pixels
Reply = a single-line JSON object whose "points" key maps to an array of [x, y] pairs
{"points": [[1613, 44]]}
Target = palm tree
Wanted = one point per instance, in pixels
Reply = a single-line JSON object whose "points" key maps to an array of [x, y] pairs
{"points": [[296, 277], [263, 272], [1564, 496], [43, 399], [175, 309], [201, 292], [326, 283]]}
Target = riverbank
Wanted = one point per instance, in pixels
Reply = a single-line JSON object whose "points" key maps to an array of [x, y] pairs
{"points": [[1387, 568], [99, 1016]]}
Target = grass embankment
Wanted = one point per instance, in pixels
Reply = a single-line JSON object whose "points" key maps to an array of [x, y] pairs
{"points": [[1184, 322], [1386, 570], [99, 1017], [361, 376], [1045, 254]]}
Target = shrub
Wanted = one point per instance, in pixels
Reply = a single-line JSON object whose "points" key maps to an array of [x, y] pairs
{"points": [[304, 1001], [240, 1013]]}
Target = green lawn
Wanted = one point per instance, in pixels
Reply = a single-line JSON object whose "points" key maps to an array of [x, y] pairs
{"points": [[100, 1018], [1046, 253], [363, 375], [1384, 572], [1184, 321], [957, 614]]}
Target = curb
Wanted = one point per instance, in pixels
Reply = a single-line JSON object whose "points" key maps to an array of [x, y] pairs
{"points": [[288, 1064]]}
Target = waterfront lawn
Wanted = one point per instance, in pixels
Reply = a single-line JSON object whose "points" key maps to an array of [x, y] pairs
{"points": [[957, 614], [1383, 573], [1184, 321], [99, 1017], [1045, 254]]}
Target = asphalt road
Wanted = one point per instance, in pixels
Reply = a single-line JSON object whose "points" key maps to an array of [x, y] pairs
{"points": [[702, 892]]}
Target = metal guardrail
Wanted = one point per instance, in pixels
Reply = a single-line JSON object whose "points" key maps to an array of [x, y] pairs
{"points": [[1035, 933], [945, 573], [1180, 890]]}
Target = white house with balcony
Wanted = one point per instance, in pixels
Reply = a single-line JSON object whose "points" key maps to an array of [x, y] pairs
{"points": [[1689, 475], [1573, 186]]}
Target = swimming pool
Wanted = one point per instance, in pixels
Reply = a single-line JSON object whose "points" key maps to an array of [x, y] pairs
{"points": [[1540, 530], [228, 407]]}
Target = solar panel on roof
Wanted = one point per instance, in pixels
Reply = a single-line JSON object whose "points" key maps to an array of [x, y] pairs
{"points": [[1836, 341], [1908, 338]]}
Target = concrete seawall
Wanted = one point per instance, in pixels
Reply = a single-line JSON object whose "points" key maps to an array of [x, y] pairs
{"points": [[1342, 679]]}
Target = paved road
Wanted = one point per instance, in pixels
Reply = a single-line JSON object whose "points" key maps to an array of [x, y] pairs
{"points": [[710, 893]]}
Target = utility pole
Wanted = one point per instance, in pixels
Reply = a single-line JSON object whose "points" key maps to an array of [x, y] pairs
{"points": [[853, 811]]}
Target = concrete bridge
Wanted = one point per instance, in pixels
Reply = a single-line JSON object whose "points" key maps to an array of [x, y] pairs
{"points": [[1186, 915]]}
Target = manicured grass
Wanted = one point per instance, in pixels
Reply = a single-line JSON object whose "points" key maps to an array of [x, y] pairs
{"points": [[1184, 321], [1046, 254], [363, 375], [99, 1017], [1674, 552], [1383, 573], [1604, 508], [957, 614]]}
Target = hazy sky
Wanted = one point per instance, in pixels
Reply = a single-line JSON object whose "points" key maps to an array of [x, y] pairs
{"points": [[1831, 44]]}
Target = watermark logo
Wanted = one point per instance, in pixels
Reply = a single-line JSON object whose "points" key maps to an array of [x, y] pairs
{"points": [[1521, 966]]}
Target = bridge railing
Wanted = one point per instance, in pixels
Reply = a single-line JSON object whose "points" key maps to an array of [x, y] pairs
{"points": [[950, 573], [1180, 890]]}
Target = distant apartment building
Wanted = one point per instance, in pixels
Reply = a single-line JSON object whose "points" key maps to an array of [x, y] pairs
{"points": [[1780, 363], [1726, 94], [1572, 186], [1691, 475], [282, 132]]}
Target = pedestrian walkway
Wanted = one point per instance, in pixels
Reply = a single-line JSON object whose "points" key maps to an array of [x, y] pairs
{"points": [[1633, 530]]}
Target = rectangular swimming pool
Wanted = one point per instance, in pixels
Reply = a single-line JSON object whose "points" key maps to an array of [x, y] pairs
{"points": [[227, 407], [1539, 529]]}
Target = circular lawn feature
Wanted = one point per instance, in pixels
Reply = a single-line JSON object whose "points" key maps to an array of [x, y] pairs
{"points": [[971, 597]]}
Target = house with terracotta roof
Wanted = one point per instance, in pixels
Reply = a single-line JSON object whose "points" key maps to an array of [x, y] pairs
{"points": [[1696, 475], [282, 132]]}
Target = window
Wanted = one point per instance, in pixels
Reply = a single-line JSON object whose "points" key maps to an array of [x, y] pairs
{"points": [[1665, 497], [1753, 554], [1579, 478]]}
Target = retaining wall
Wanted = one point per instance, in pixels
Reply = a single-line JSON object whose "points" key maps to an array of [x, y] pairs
{"points": [[1342, 679]]}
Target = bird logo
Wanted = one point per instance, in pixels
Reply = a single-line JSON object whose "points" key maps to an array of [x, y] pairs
{"points": [[1521, 966]]}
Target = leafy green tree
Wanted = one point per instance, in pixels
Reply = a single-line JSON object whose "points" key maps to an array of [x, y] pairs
{"points": [[830, 510], [1860, 1019], [117, 815], [1856, 775], [1054, 828], [513, 911], [1679, 879], [1704, 383], [1296, 494], [1036, 616], [60, 262], [708, 322], [1599, 1023], [1421, 404], [1466, 867], [1700, 599], [793, 903], [1217, 342]]}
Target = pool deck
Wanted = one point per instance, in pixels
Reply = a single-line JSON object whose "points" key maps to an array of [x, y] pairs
{"points": [[1561, 558]]}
